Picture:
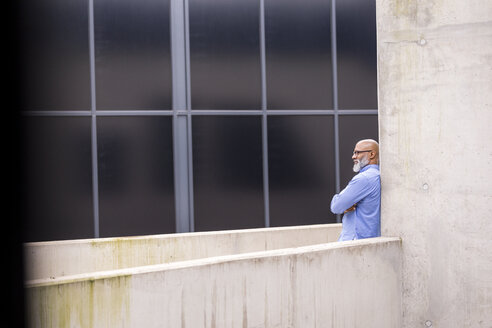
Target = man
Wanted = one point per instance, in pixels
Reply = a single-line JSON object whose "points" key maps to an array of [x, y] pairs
{"points": [[360, 200]]}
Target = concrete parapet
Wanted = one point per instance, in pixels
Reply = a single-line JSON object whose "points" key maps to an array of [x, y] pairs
{"points": [[342, 284], [61, 258]]}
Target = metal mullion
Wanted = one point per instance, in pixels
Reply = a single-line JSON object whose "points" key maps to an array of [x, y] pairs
{"points": [[135, 112], [273, 112], [95, 178], [335, 98], [58, 113], [233, 112], [264, 117], [180, 136], [189, 117], [219, 112], [298, 112], [357, 112], [190, 175]]}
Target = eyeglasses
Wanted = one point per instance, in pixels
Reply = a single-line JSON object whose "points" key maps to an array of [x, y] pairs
{"points": [[357, 152]]}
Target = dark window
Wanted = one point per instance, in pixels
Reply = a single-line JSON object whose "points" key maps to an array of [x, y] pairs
{"points": [[133, 61], [227, 172], [54, 55], [136, 185], [57, 178], [301, 169], [225, 54], [352, 129], [356, 54], [298, 54]]}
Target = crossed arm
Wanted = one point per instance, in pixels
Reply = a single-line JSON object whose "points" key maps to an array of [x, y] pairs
{"points": [[347, 199]]}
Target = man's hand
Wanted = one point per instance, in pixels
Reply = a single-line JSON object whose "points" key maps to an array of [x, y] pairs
{"points": [[350, 209]]}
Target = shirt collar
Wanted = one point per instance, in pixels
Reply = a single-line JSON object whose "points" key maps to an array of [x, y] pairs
{"points": [[365, 168]]}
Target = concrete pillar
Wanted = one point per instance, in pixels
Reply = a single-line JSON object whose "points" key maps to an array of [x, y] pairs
{"points": [[435, 103]]}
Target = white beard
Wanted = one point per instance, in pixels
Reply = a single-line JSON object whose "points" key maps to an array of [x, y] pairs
{"points": [[360, 164]]}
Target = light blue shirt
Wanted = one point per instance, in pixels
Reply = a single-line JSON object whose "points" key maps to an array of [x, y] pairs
{"points": [[364, 190]]}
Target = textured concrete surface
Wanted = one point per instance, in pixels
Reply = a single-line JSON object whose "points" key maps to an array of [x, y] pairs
{"points": [[61, 258], [435, 111], [347, 284]]}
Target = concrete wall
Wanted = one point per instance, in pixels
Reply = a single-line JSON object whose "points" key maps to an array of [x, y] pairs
{"points": [[61, 258], [435, 115], [346, 284]]}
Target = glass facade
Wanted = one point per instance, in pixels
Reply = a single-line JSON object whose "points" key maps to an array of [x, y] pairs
{"points": [[132, 54], [298, 54], [356, 52], [135, 166], [138, 119], [224, 54], [227, 172], [57, 186], [301, 167], [54, 51]]}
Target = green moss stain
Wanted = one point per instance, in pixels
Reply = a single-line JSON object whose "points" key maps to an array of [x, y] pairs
{"points": [[112, 301], [124, 252], [89, 303], [74, 304]]}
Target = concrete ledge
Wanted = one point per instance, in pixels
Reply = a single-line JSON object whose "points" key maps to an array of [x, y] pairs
{"points": [[61, 258], [346, 284], [202, 262]]}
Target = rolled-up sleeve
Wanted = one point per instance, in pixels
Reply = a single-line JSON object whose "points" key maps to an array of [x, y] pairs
{"points": [[353, 193]]}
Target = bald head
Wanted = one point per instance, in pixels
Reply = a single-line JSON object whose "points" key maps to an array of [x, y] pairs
{"points": [[367, 149]]}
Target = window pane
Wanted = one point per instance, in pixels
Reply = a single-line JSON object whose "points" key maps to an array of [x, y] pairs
{"points": [[356, 54], [133, 61], [227, 173], [352, 129], [225, 54], [298, 54], [57, 178], [136, 184], [301, 169], [54, 55]]}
